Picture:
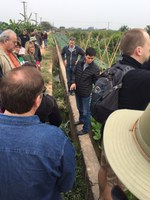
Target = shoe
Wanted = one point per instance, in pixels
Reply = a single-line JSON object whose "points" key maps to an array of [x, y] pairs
{"points": [[78, 123], [82, 132]]}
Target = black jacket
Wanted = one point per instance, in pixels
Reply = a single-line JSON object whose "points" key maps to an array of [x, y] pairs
{"points": [[72, 57], [24, 39], [135, 92], [85, 79], [48, 111], [37, 54]]}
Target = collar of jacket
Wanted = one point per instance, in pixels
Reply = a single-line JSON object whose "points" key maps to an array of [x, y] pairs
{"points": [[128, 60], [73, 49], [83, 62]]}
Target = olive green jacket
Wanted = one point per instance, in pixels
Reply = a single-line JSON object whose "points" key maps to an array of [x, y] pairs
{"points": [[5, 63]]}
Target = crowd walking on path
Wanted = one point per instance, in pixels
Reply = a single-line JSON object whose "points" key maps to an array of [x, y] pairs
{"points": [[36, 155]]}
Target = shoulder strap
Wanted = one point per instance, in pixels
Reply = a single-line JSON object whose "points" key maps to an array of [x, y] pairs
{"points": [[125, 68]]}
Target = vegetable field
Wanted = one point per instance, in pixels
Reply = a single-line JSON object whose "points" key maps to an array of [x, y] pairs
{"points": [[105, 42]]}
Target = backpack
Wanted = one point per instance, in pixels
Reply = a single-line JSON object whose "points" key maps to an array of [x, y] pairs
{"points": [[105, 93]]}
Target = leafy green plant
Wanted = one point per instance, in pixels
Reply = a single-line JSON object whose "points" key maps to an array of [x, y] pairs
{"points": [[96, 129], [80, 187], [130, 196]]}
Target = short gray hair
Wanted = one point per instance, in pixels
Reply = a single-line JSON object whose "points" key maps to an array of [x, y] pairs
{"points": [[5, 35]]}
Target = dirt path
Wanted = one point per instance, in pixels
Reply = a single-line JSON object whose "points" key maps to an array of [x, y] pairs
{"points": [[43, 50]]}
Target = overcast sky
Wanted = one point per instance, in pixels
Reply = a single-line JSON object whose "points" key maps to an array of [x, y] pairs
{"points": [[110, 14]]}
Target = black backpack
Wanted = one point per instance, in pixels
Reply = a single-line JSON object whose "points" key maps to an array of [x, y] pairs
{"points": [[105, 93]]}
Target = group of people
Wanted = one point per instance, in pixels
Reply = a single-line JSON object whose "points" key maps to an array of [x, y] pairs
{"points": [[126, 144], [13, 54], [38, 159], [81, 73]]}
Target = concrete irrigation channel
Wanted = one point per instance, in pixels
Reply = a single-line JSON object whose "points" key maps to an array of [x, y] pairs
{"points": [[89, 155]]}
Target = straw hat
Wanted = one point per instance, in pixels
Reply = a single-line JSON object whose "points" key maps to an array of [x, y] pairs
{"points": [[127, 147]]}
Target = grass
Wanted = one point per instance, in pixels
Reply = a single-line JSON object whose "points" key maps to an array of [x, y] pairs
{"points": [[46, 59]]}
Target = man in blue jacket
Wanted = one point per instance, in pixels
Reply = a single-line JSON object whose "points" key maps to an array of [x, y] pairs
{"points": [[70, 55], [37, 160]]}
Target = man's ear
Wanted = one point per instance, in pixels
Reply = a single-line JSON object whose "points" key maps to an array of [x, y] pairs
{"points": [[37, 102], [139, 51]]}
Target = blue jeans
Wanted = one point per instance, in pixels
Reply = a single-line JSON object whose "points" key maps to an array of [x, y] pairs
{"points": [[69, 74], [83, 105]]}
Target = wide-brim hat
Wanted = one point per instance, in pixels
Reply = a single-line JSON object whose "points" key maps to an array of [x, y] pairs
{"points": [[127, 148]]}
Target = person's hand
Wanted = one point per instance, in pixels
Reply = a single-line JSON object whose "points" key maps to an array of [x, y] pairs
{"points": [[65, 62], [73, 86]]}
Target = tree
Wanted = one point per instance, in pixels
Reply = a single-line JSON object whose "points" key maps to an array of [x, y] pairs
{"points": [[46, 25], [148, 29], [124, 28]]}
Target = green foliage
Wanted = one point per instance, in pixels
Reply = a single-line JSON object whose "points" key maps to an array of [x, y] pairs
{"points": [[124, 28], [45, 73], [61, 39], [4, 26], [79, 190], [19, 26], [106, 44], [148, 29], [130, 196], [95, 129], [46, 25], [51, 42]]}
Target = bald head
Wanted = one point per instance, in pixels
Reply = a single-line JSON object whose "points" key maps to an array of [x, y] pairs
{"points": [[7, 35], [8, 40], [19, 89], [136, 43]]}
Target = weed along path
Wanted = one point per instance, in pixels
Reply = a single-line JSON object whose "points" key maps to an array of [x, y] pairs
{"points": [[46, 68], [90, 158]]}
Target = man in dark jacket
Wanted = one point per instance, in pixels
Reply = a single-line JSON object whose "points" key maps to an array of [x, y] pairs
{"points": [[85, 75], [134, 94], [24, 37], [70, 55]]}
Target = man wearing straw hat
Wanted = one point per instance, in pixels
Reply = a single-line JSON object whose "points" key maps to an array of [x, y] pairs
{"points": [[134, 94], [128, 151]]}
